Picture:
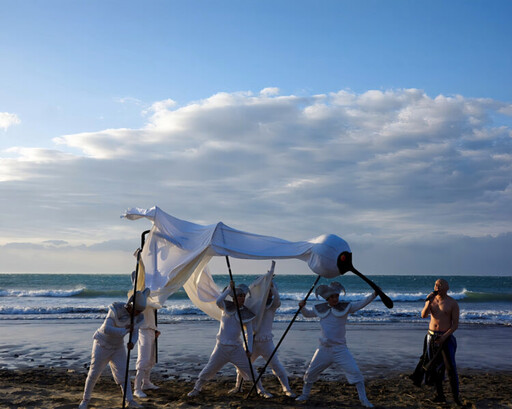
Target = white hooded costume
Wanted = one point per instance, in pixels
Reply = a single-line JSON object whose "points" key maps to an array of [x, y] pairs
{"points": [[228, 347], [333, 347], [146, 353], [264, 346], [108, 347]]}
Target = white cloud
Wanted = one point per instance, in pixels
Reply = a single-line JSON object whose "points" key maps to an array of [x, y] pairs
{"points": [[377, 166], [7, 120]]}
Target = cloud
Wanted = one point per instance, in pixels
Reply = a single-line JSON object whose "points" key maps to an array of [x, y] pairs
{"points": [[7, 120], [377, 167]]}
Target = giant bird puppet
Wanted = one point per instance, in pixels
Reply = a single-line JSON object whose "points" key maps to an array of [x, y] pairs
{"points": [[176, 252]]}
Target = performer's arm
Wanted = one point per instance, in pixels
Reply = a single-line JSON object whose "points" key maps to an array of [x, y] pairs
{"points": [[109, 326], [250, 336], [355, 306], [425, 312], [276, 302], [306, 312], [455, 323], [222, 298]]}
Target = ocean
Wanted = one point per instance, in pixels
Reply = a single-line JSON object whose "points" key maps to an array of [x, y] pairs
{"points": [[483, 300]]}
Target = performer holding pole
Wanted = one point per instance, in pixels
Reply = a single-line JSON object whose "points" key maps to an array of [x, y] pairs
{"points": [[262, 371], [228, 347], [333, 348]]}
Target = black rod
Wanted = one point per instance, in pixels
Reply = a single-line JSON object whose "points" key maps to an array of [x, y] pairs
{"points": [[262, 371], [240, 318], [132, 315]]}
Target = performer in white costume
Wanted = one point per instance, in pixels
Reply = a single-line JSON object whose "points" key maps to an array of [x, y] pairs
{"points": [[333, 347], [108, 346], [146, 358], [229, 345], [264, 346]]}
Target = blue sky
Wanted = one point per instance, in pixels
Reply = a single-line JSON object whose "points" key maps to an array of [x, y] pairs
{"points": [[387, 123]]}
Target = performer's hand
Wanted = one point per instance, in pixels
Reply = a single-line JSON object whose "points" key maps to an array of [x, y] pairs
{"points": [[431, 296], [129, 345], [302, 303], [248, 353], [157, 333], [232, 284], [129, 327]]}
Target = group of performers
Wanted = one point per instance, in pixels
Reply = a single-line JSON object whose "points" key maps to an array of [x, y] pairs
{"points": [[108, 344]]}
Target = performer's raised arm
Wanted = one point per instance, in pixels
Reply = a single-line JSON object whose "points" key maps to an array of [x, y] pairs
{"points": [[355, 306], [222, 298]]}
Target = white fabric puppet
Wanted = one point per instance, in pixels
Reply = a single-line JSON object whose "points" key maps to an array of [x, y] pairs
{"points": [[333, 347], [108, 346]]}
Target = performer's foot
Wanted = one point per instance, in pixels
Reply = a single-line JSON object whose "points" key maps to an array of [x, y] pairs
{"points": [[263, 393], [302, 398], [236, 389], [439, 399], [366, 403], [149, 385], [457, 401], [84, 404], [139, 393], [133, 404], [289, 393], [193, 392]]}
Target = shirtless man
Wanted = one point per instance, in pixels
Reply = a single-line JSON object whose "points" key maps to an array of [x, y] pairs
{"points": [[444, 321]]}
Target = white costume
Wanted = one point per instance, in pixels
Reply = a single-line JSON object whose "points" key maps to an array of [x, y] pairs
{"points": [[264, 346], [333, 346], [229, 345], [146, 358], [108, 348]]}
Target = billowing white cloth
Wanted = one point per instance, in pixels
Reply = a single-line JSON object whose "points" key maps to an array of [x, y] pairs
{"points": [[176, 249], [204, 292]]}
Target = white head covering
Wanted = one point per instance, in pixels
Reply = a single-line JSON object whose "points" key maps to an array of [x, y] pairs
{"points": [[140, 299], [325, 291]]}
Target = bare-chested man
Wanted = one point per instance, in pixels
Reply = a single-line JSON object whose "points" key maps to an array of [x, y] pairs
{"points": [[444, 321]]}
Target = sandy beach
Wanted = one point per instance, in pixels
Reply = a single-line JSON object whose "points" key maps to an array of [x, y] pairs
{"points": [[44, 365]]}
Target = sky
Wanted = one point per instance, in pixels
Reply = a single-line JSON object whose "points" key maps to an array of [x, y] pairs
{"points": [[386, 123]]}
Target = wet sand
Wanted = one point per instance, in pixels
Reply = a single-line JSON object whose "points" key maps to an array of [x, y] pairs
{"points": [[44, 365]]}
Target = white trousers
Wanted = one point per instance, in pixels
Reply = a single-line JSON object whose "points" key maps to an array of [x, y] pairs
{"points": [[146, 357], [100, 358], [326, 356], [265, 349], [221, 355]]}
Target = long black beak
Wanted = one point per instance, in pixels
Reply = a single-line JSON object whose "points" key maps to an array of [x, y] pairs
{"points": [[345, 264]]}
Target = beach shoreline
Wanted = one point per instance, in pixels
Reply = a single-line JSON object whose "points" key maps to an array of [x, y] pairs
{"points": [[43, 364]]}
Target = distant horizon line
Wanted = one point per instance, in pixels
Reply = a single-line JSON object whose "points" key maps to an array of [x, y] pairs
{"points": [[282, 274]]}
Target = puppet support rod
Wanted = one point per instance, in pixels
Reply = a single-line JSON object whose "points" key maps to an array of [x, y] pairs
{"points": [[132, 314], [232, 283], [262, 371]]}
